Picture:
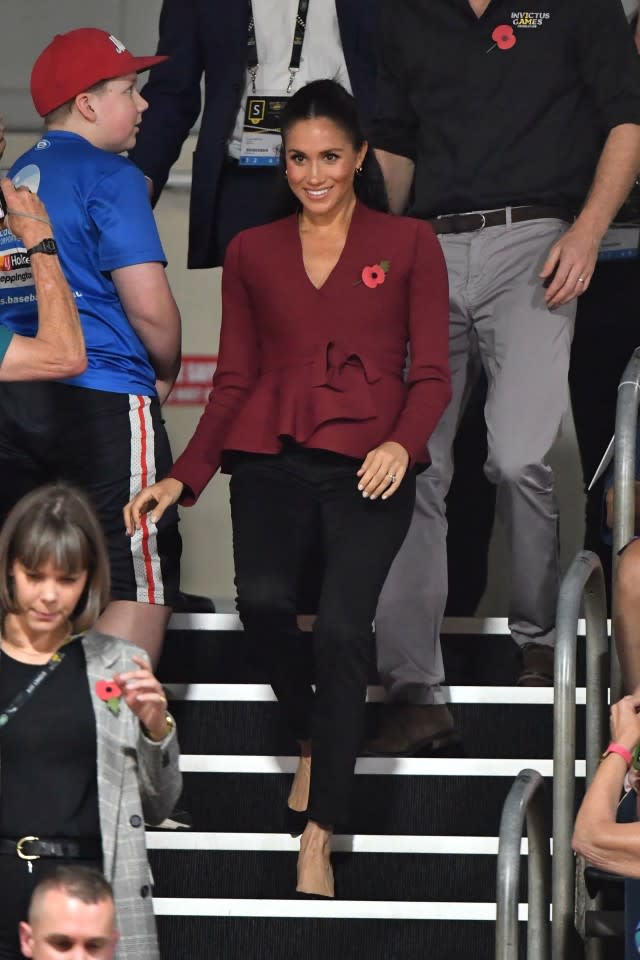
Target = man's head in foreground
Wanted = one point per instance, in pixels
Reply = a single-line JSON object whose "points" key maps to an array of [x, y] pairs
{"points": [[71, 916]]}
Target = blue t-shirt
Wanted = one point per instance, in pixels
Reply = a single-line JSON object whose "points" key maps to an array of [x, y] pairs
{"points": [[102, 220]]}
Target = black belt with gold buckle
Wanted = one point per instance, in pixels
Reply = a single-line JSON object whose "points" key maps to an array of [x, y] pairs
{"points": [[469, 222], [32, 848]]}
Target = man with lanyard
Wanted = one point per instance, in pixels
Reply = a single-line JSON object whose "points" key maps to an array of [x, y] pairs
{"points": [[253, 54], [503, 121]]}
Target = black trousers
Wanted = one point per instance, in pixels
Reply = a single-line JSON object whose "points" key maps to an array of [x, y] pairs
{"points": [[277, 502], [606, 335]]}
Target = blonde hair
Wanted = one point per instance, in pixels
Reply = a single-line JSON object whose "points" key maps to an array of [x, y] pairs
{"points": [[56, 524]]}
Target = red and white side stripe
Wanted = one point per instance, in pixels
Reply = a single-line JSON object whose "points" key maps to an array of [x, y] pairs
{"points": [[142, 471]]}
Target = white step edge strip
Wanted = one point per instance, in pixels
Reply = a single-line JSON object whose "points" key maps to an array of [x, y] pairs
{"points": [[460, 625], [340, 843], [381, 766], [262, 693], [333, 909]]}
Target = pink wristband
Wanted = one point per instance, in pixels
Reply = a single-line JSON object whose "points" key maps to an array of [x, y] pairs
{"points": [[621, 751]]}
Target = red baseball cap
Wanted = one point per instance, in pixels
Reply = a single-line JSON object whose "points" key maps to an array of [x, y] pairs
{"points": [[77, 60]]}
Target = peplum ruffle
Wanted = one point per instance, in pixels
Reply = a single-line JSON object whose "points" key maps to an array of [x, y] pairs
{"points": [[294, 398]]}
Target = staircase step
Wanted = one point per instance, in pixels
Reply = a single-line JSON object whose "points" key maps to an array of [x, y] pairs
{"points": [[405, 877], [404, 805], [506, 730], [379, 936]]}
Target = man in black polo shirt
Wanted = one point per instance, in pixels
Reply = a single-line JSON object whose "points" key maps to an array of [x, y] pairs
{"points": [[503, 120]]}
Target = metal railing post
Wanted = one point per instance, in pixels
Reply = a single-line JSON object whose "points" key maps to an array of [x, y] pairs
{"points": [[624, 477], [584, 577], [525, 799]]}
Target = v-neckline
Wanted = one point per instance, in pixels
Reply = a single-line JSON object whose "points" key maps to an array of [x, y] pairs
{"points": [[340, 258]]}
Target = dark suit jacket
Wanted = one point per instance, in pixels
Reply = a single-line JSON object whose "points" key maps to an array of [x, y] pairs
{"points": [[210, 37], [325, 366]]}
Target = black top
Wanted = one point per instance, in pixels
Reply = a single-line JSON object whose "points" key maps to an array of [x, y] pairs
{"points": [[48, 782], [503, 117]]}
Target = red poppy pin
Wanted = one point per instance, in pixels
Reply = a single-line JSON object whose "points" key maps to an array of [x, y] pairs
{"points": [[503, 37], [110, 693], [374, 276]]}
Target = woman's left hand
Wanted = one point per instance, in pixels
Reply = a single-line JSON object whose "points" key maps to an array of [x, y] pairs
{"points": [[145, 697], [382, 470]]}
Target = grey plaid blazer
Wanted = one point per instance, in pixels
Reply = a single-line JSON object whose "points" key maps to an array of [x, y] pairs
{"points": [[138, 780]]}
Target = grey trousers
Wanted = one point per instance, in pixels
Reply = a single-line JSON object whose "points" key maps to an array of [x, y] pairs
{"points": [[497, 308]]}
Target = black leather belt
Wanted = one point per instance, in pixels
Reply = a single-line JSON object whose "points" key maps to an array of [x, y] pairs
{"points": [[32, 848], [468, 222]]}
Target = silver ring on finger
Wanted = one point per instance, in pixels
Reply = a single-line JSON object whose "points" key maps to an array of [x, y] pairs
{"points": [[580, 280], [392, 477]]}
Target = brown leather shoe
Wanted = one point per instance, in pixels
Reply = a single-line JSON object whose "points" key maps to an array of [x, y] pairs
{"points": [[537, 666], [410, 728]]}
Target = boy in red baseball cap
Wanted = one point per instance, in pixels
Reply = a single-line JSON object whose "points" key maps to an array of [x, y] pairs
{"points": [[101, 431]]}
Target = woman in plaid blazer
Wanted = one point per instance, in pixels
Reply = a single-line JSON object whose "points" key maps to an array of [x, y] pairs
{"points": [[87, 748]]}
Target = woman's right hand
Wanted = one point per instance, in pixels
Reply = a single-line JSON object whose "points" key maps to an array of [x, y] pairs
{"points": [[625, 721], [157, 497]]}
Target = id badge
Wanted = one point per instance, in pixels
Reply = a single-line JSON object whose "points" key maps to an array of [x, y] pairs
{"points": [[261, 142], [620, 243]]}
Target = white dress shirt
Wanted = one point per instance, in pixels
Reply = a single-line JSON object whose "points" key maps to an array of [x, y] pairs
{"points": [[322, 56]]}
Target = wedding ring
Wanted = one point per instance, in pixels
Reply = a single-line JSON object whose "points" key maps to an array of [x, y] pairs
{"points": [[580, 280], [392, 477]]}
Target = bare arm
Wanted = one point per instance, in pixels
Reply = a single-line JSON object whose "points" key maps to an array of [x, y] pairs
{"points": [[574, 256], [58, 349], [603, 842], [152, 312], [398, 177]]}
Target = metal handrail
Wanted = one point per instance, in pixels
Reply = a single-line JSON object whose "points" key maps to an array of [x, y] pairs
{"points": [[623, 480], [583, 581], [525, 799]]}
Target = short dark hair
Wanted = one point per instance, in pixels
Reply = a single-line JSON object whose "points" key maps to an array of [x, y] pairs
{"points": [[56, 524], [82, 883], [329, 100]]}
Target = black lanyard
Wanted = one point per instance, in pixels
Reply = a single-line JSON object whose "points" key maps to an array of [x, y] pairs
{"points": [[296, 50], [21, 698]]}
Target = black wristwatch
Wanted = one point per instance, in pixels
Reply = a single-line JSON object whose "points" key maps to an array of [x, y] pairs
{"points": [[48, 245]]}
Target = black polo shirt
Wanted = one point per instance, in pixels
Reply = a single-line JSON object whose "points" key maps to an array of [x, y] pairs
{"points": [[509, 108]]}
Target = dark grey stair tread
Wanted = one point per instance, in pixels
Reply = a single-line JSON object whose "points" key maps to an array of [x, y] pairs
{"points": [[359, 876], [251, 728], [294, 939], [225, 657], [406, 805]]}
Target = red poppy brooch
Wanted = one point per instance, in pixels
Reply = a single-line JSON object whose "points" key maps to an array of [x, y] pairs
{"points": [[503, 37], [110, 693], [373, 276]]}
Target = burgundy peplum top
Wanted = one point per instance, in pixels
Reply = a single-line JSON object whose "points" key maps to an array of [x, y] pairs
{"points": [[324, 367]]}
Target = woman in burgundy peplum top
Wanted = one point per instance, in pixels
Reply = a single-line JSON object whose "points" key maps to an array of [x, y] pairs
{"points": [[312, 416]]}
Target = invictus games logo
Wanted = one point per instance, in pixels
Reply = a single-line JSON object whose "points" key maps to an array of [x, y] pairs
{"points": [[528, 18]]}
